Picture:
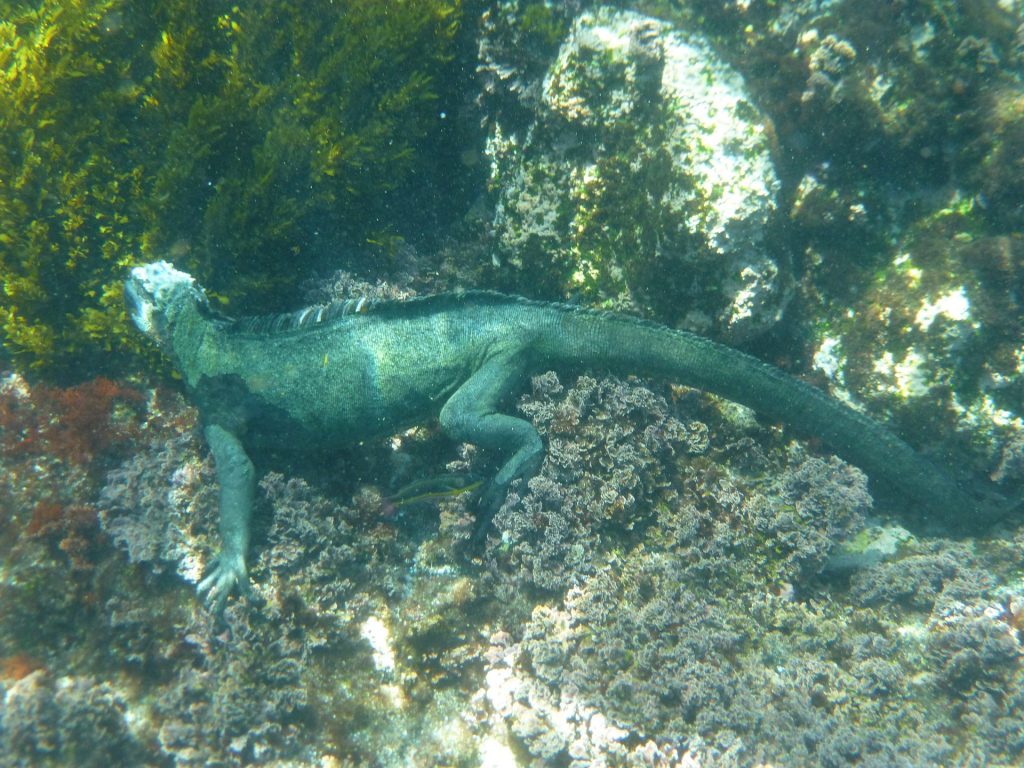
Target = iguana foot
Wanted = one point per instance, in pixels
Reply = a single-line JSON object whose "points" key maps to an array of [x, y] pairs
{"points": [[487, 505], [227, 574]]}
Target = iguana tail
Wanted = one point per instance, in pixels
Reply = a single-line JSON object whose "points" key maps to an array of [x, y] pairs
{"points": [[598, 340]]}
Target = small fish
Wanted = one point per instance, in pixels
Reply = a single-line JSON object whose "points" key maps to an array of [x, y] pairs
{"points": [[430, 489]]}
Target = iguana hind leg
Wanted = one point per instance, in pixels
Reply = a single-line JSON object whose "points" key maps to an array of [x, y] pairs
{"points": [[472, 415]]}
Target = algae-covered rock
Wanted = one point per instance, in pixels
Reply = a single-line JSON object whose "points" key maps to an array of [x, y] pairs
{"points": [[933, 343], [907, 146], [642, 179], [73, 720]]}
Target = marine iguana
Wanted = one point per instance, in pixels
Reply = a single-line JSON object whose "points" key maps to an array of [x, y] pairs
{"points": [[347, 371]]}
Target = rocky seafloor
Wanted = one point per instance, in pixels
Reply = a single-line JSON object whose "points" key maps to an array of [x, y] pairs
{"points": [[678, 586]]}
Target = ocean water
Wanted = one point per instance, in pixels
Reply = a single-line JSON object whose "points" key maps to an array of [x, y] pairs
{"points": [[737, 484]]}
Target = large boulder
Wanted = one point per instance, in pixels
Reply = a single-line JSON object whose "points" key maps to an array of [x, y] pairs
{"points": [[640, 178]]}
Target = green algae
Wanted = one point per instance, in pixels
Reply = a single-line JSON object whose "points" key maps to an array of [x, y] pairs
{"points": [[236, 141]]}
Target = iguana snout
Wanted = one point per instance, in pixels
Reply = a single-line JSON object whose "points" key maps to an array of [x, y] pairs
{"points": [[154, 293]]}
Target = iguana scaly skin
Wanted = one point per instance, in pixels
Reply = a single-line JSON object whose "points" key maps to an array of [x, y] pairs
{"points": [[348, 371]]}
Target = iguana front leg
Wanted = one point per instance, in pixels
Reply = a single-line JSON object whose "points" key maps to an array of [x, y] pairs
{"points": [[237, 478], [471, 414]]}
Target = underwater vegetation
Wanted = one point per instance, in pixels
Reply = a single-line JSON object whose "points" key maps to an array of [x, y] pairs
{"points": [[241, 141]]}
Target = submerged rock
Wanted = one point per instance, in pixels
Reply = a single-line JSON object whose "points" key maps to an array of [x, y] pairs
{"points": [[72, 720], [643, 176]]}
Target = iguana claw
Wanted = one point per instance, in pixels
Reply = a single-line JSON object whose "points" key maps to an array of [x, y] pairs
{"points": [[227, 574]]}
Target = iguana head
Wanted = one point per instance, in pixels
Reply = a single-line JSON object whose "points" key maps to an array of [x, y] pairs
{"points": [[156, 295]]}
